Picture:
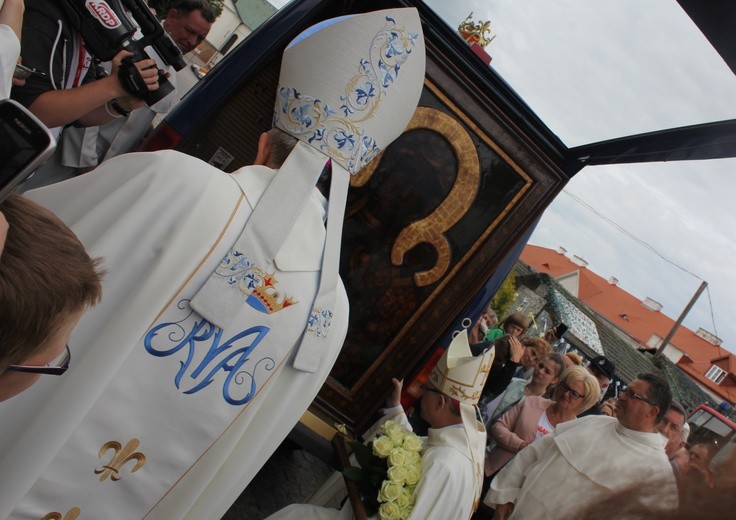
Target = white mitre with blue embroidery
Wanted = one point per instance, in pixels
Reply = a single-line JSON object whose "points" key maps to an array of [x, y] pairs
{"points": [[349, 86]]}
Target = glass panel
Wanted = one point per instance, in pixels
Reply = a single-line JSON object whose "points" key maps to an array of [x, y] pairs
{"points": [[719, 427], [598, 70]]}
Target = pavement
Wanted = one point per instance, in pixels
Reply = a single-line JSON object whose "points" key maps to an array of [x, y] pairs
{"points": [[290, 476]]}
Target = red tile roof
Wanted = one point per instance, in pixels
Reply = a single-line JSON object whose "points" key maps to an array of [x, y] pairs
{"points": [[628, 313]]}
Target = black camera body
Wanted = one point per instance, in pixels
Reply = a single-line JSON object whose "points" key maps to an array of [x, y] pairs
{"points": [[107, 29]]}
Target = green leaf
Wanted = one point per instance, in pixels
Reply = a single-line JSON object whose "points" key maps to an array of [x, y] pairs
{"points": [[353, 473], [363, 454]]}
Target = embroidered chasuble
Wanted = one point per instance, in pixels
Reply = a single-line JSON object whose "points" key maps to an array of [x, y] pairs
{"points": [[222, 310], [162, 414]]}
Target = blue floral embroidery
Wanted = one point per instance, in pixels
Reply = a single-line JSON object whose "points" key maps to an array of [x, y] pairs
{"points": [[337, 133], [319, 322]]}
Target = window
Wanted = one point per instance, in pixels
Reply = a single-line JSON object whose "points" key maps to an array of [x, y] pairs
{"points": [[655, 341], [715, 374]]}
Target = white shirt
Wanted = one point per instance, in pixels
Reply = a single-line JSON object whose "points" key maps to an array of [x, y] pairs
{"points": [[587, 460]]}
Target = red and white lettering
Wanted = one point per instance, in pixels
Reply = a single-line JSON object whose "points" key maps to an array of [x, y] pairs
{"points": [[102, 11]]}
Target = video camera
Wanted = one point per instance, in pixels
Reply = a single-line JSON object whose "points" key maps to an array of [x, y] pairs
{"points": [[106, 30]]}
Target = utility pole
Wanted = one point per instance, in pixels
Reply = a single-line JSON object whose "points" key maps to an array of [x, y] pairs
{"points": [[677, 324]]}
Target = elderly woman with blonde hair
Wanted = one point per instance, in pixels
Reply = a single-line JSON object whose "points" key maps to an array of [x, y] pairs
{"points": [[536, 417]]}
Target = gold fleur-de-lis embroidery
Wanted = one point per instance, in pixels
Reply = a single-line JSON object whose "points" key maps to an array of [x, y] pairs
{"points": [[72, 514], [120, 457]]}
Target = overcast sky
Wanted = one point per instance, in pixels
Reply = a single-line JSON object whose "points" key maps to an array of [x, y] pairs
{"points": [[604, 69]]}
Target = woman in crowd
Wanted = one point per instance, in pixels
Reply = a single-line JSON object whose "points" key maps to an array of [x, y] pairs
{"points": [[546, 373], [536, 416], [514, 358]]}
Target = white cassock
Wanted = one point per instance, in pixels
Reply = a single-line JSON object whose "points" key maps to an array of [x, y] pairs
{"points": [[585, 461], [181, 413], [446, 489]]}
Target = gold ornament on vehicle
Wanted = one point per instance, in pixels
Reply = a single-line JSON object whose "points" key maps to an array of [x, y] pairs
{"points": [[476, 32]]}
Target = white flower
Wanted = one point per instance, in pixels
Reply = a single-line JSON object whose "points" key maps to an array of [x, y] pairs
{"points": [[390, 491], [382, 446]]}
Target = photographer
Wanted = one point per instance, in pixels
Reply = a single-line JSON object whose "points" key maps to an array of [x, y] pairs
{"points": [[187, 23], [72, 90]]}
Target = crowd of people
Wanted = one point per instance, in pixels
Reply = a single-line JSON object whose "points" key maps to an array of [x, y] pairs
{"points": [[558, 445]]}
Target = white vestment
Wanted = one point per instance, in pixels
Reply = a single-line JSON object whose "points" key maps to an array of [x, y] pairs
{"points": [[182, 413], [446, 489], [585, 461]]}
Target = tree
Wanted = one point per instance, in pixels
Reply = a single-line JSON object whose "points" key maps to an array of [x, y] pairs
{"points": [[505, 296], [163, 6]]}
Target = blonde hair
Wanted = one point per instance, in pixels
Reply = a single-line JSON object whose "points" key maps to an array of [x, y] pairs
{"points": [[574, 358], [540, 345], [592, 388]]}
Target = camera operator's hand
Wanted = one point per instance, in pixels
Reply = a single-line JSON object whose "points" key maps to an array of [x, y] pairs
{"points": [[90, 103], [148, 72]]}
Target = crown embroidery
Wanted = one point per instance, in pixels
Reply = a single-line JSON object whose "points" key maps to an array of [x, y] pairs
{"points": [[258, 285], [337, 132]]}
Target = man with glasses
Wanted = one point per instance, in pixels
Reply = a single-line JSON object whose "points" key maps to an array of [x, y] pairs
{"points": [[47, 281], [593, 458]]}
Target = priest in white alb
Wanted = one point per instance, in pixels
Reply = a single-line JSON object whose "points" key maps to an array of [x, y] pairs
{"points": [[591, 459], [454, 449], [222, 309]]}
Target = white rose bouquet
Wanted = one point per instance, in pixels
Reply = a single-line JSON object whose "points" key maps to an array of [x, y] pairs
{"points": [[390, 467]]}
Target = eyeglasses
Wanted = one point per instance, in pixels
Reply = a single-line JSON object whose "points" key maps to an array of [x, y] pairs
{"points": [[56, 367], [565, 388], [630, 394]]}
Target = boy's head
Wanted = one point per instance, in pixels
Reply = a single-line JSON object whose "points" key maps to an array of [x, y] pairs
{"points": [[47, 281], [515, 324]]}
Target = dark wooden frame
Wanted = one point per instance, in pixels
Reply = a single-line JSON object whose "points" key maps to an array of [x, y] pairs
{"points": [[356, 405]]}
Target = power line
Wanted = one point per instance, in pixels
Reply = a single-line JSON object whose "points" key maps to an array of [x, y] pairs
{"points": [[647, 246], [629, 234]]}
